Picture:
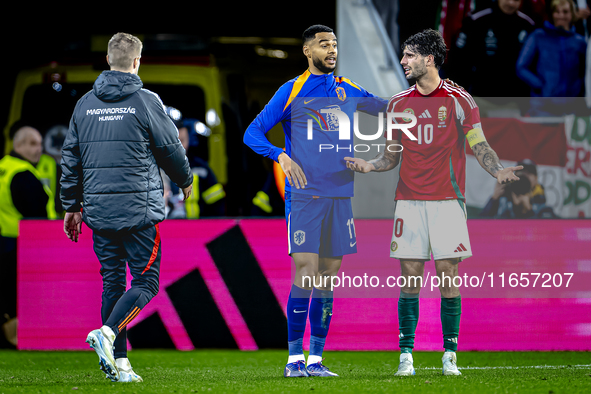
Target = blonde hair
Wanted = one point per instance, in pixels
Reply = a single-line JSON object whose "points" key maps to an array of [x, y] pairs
{"points": [[123, 48], [555, 3]]}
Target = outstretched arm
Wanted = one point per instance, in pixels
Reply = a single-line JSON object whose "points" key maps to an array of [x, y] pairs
{"points": [[384, 161], [489, 160]]}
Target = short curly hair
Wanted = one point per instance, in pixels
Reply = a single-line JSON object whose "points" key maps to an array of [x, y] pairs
{"points": [[428, 42], [311, 31]]}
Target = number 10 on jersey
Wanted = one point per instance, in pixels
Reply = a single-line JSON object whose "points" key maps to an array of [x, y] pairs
{"points": [[425, 134]]}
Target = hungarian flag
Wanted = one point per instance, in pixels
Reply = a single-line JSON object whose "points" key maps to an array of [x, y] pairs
{"points": [[560, 147]]}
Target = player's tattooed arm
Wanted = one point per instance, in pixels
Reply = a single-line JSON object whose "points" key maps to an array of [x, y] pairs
{"points": [[384, 161], [487, 157], [489, 160]]}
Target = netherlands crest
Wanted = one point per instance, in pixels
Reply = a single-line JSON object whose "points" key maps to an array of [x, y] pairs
{"points": [[299, 237]]}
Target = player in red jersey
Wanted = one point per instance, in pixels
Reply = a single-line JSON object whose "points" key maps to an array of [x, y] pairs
{"points": [[430, 215]]}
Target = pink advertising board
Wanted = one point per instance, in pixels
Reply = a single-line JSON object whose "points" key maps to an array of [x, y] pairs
{"points": [[527, 287]]}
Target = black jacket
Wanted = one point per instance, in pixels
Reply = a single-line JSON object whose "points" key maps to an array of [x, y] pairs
{"points": [[483, 59], [118, 138], [27, 192]]}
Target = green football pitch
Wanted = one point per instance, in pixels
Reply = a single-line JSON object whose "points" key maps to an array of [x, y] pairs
{"points": [[261, 371]]}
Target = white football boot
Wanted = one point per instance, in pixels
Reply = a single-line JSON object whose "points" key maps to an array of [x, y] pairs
{"points": [[450, 367], [101, 341], [126, 373], [405, 368]]}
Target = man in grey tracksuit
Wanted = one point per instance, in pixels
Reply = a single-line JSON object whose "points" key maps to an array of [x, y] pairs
{"points": [[119, 138]]}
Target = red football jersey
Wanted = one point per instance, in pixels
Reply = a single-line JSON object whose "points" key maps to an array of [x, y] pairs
{"points": [[434, 166]]}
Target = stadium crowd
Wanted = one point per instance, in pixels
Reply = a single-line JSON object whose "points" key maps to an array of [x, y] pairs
{"points": [[532, 48]]}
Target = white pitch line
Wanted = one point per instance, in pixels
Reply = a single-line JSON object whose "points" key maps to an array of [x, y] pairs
{"points": [[579, 366]]}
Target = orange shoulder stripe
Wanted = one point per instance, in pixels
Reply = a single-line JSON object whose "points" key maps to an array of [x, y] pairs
{"points": [[297, 86], [347, 80]]}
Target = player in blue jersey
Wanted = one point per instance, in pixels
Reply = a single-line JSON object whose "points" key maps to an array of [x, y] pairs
{"points": [[318, 190]]}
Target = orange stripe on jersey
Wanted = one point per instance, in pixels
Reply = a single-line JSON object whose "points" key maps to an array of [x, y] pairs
{"points": [[297, 86], [129, 318], [279, 179], [347, 80]]}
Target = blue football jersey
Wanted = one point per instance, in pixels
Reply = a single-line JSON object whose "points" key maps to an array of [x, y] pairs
{"points": [[308, 108]]}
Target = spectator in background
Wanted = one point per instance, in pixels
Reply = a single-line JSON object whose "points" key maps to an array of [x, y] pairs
{"points": [[530, 171], [208, 197], [46, 166], [487, 47], [537, 10], [523, 199], [22, 195], [552, 61], [451, 17]]}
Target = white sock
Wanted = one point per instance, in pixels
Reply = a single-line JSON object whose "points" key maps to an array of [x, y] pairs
{"points": [[313, 359], [108, 333], [297, 357]]}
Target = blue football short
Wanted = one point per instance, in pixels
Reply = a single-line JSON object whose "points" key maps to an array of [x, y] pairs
{"points": [[322, 225]]}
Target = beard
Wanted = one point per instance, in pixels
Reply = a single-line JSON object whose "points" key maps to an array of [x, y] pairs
{"points": [[417, 73], [320, 66]]}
